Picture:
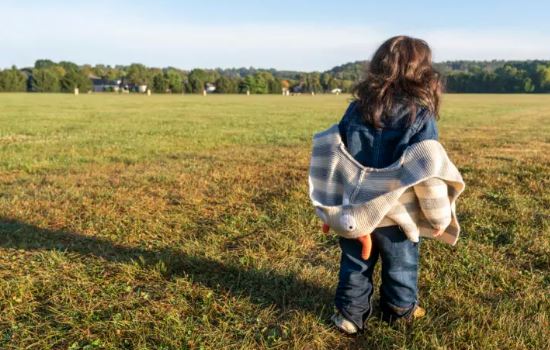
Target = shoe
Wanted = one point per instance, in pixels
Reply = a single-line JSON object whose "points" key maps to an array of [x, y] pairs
{"points": [[343, 324], [390, 317], [418, 312]]}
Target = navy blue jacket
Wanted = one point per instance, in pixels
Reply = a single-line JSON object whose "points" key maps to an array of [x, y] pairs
{"points": [[378, 148]]}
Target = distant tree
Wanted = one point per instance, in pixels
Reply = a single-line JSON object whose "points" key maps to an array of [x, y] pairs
{"points": [[327, 82], [245, 84], [256, 84], [353, 71], [543, 78], [160, 83], [312, 82], [260, 83], [174, 80], [212, 75], [528, 85], [45, 80], [59, 71], [100, 70], [226, 85], [187, 88], [12, 80], [346, 85], [113, 73], [274, 86], [512, 79], [87, 70], [43, 64], [461, 76], [74, 78], [69, 66], [197, 80], [458, 82], [138, 74]]}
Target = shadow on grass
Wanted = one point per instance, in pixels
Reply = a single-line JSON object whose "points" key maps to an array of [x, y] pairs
{"points": [[264, 287]]}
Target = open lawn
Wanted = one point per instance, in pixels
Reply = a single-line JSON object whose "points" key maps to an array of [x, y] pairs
{"points": [[183, 222]]}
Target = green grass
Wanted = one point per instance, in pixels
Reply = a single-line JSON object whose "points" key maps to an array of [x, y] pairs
{"points": [[183, 222]]}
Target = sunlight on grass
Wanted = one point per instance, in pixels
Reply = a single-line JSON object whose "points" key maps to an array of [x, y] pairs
{"points": [[183, 222]]}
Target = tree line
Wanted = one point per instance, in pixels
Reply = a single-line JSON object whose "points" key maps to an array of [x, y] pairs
{"points": [[498, 76], [460, 76]]}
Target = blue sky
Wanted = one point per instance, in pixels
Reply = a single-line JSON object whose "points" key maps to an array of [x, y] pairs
{"points": [[284, 34]]}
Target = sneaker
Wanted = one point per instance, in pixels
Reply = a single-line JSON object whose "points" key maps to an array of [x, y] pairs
{"points": [[343, 324], [418, 312]]}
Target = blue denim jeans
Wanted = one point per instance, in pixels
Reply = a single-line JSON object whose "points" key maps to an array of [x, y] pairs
{"points": [[398, 290]]}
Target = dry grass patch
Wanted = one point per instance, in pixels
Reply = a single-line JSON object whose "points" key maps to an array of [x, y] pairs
{"points": [[168, 223]]}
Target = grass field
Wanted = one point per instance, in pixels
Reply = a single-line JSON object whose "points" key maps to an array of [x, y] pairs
{"points": [[183, 222]]}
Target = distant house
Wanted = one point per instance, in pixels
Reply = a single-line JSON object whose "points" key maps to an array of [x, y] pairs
{"points": [[297, 89], [210, 88], [101, 85], [127, 86]]}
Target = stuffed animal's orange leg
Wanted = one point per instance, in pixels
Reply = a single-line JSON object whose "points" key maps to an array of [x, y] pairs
{"points": [[366, 242]]}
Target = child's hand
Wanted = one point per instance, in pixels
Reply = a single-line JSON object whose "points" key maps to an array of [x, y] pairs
{"points": [[439, 232], [366, 242]]}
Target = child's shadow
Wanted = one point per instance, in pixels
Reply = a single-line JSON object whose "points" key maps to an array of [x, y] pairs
{"points": [[264, 287]]}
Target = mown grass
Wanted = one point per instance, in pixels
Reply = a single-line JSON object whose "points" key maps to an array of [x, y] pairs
{"points": [[183, 222]]}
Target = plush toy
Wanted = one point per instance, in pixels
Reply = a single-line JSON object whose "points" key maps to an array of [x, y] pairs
{"points": [[347, 223], [366, 242]]}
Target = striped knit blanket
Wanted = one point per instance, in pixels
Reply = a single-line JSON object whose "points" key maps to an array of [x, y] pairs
{"points": [[418, 192]]}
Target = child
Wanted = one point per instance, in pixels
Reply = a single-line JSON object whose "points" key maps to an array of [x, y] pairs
{"points": [[380, 179]]}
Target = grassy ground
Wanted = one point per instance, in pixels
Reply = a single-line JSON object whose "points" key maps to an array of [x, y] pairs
{"points": [[183, 222]]}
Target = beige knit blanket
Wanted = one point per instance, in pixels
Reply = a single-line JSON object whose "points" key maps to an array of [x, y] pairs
{"points": [[418, 192]]}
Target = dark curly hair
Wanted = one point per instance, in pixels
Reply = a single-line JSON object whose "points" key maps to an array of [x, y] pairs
{"points": [[400, 71]]}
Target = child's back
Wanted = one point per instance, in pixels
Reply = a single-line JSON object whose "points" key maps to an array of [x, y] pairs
{"points": [[380, 147], [395, 106]]}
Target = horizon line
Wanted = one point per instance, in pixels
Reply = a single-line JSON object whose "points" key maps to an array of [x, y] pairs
{"points": [[264, 68]]}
